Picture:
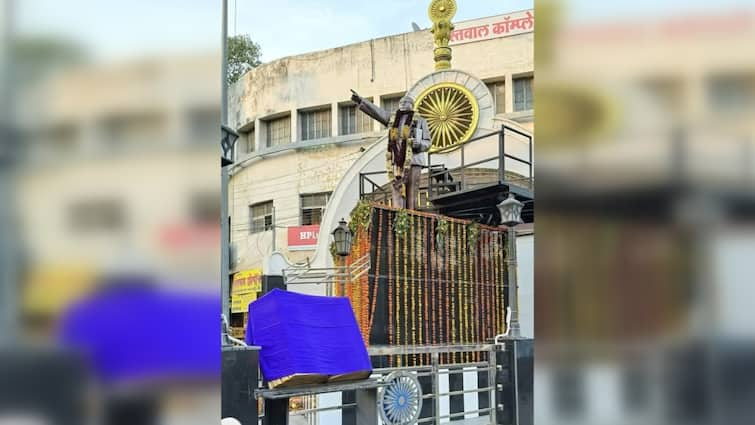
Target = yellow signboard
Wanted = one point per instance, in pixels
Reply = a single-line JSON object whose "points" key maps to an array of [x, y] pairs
{"points": [[240, 302], [246, 285], [247, 281]]}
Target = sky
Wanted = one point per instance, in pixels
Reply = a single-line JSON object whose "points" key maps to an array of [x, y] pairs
{"points": [[289, 27], [120, 29]]}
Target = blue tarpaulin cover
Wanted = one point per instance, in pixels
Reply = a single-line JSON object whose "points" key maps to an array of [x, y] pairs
{"points": [[135, 332], [306, 334]]}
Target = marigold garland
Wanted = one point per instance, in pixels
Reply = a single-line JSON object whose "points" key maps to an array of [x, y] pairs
{"points": [[496, 301], [376, 283], [407, 324], [440, 235], [443, 282], [398, 170], [390, 288], [452, 316], [472, 235], [364, 293], [486, 293], [412, 281], [500, 297], [401, 223], [361, 216], [466, 326], [426, 289], [399, 335]]}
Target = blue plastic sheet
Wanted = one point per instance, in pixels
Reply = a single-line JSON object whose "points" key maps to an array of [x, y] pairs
{"points": [[309, 334], [140, 333]]}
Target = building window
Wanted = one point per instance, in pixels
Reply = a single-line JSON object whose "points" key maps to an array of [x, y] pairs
{"points": [[246, 141], [204, 207], [353, 121], [666, 94], [390, 104], [97, 215], [731, 92], [261, 217], [315, 124], [499, 99], [279, 131], [523, 94], [313, 207]]}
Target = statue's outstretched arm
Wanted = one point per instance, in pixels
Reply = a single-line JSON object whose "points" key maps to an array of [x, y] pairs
{"points": [[373, 111]]}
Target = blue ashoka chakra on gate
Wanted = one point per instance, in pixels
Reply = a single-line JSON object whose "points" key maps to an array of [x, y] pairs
{"points": [[400, 400]]}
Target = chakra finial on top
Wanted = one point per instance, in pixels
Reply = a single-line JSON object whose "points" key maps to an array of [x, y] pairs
{"points": [[441, 12]]}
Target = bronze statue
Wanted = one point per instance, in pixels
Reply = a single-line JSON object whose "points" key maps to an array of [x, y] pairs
{"points": [[408, 140]]}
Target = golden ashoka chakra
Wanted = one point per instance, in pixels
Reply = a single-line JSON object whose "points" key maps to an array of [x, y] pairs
{"points": [[442, 10], [451, 111]]}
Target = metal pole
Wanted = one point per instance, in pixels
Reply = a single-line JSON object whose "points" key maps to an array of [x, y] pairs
{"points": [[436, 386], [492, 368], [515, 364], [224, 228], [501, 155], [8, 284], [462, 167], [513, 285], [224, 66], [532, 186], [429, 176]]}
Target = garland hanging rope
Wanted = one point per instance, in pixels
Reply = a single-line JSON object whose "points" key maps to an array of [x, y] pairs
{"points": [[432, 280]]}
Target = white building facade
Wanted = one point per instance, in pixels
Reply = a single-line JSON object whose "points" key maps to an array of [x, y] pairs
{"points": [[300, 133]]}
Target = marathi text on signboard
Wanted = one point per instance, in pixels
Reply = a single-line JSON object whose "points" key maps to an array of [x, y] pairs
{"points": [[244, 289], [493, 27]]}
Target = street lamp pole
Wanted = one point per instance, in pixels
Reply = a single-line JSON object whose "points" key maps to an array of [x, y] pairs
{"points": [[224, 239], [342, 238], [8, 149], [513, 292], [511, 215]]}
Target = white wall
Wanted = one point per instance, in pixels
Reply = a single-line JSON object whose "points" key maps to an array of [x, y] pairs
{"points": [[525, 250]]}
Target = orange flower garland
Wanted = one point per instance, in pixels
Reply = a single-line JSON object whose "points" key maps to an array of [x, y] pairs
{"points": [[397, 281], [390, 288], [439, 288], [376, 282]]}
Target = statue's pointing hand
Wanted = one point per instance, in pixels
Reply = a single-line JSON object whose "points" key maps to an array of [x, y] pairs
{"points": [[355, 97]]}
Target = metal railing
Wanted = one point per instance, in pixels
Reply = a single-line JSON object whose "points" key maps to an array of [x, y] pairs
{"points": [[327, 275], [368, 186], [434, 371], [441, 181], [444, 182], [373, 191]]}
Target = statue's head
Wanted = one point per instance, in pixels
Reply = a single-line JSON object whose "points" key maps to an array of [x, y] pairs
{"points": [[406, 103]]}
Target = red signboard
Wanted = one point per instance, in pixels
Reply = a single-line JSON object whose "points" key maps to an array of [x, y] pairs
{"points": [[303, 237]]}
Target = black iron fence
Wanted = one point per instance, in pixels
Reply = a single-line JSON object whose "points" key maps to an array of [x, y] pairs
{"points": [[440, 180]]}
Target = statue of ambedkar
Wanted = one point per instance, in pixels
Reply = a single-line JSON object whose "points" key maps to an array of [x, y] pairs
{"points": [[408, 140]]}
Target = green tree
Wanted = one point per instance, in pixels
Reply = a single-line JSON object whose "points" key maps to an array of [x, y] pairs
{"points": [[243, 55]]}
